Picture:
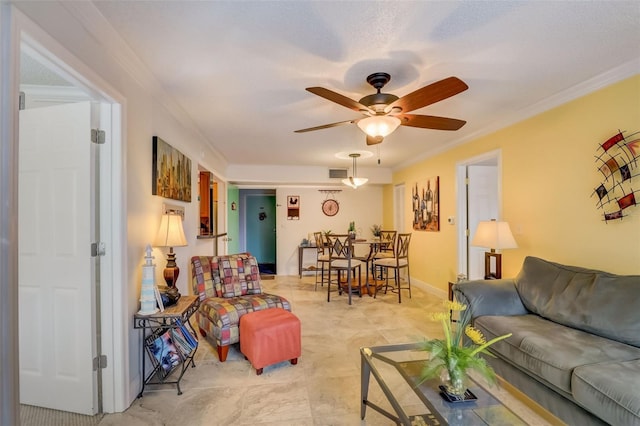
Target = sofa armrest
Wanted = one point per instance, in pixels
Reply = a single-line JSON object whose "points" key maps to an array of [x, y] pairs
{"points": [[490, 297]]}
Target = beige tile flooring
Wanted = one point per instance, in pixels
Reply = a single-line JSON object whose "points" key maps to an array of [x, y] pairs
{"points": [[323, 389]]}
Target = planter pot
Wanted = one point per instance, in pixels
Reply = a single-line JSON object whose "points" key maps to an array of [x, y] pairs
{"points": [[454, 381]]}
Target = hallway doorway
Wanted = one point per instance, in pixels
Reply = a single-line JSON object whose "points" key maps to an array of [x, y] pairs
{"points": [[478, 183], [258, 227]]}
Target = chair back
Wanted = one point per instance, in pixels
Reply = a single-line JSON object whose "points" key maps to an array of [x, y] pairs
{"points": [[388, 242], [340, 246], [402, 249], [319, 242]]}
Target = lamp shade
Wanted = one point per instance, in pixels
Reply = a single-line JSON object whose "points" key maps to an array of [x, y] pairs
{"points": [[379, 125], [171, 233], [494, 235]]}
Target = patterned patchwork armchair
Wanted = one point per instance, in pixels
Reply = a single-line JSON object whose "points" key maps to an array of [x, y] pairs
{"points": [[229, 287]]}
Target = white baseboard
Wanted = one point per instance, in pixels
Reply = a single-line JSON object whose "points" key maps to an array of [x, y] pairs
{"points": [[429, 288]]}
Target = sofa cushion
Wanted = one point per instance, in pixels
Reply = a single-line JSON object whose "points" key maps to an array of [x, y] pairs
{"points": [[203, 285], [549, 350], [610, 390], [597, 302], [233, 281], [252, 276]]}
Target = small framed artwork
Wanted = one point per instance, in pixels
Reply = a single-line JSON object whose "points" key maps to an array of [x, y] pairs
{"points": [[171, 172], [293, 207], [425, 200]]}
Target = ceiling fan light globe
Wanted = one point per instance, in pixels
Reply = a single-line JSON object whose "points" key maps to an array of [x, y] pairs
{"points": [[381, 125]]}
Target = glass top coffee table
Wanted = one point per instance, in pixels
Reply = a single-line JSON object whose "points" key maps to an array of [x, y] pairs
{"points": [[397, 368]]}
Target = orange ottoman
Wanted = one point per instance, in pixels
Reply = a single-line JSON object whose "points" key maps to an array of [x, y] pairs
{"points": [[270, 336]]}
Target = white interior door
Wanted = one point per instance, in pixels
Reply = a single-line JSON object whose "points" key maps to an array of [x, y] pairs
{"points": [[56, 272], [482, 199]]}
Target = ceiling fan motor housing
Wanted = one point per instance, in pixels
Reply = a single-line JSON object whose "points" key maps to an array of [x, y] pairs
{"points": [[378, 101]]}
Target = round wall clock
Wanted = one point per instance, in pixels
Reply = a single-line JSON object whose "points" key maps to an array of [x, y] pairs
{"points": [[330, 207]]}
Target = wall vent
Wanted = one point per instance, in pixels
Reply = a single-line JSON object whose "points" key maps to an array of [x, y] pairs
{"points": [[338, 173]]}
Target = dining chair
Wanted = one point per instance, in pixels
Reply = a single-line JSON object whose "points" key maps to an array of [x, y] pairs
{"points": [[387, 244], [322, 258], [386, 249], [341, 260], [396, 263]]}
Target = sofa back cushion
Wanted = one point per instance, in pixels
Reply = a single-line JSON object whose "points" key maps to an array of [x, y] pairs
{"points": [[225, 276], [594, 301]]}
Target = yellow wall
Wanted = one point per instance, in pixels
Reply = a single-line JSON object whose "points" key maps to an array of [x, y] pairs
{"points": [[548, 177]]}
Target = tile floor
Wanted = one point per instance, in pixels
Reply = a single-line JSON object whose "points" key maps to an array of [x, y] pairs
{"points": [[323, 389]]}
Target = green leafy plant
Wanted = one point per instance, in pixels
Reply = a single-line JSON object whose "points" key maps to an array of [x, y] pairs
{"points": [[352, 227], [376, 230], [451, 357]]}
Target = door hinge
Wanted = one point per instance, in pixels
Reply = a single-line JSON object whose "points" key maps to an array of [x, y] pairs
{"points": [[466, 233], [466, 181], [99, 362], [21, 101], [98, 249], [98, 136]]}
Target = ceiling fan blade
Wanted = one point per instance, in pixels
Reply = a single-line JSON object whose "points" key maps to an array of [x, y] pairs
{"points": [[374, 140], [430, 94], [325, 126], [339, 99], [430, 122]]}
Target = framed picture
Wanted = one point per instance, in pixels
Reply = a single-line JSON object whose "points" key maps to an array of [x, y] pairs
{"points": [[425, 201], [293, 201], [171, 171], [293, 207]]}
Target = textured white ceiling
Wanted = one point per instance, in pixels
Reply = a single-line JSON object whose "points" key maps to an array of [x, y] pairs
{"points": [[239, 69]]}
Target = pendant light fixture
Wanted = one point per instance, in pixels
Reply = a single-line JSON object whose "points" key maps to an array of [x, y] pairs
{"points": [[354, 181]]}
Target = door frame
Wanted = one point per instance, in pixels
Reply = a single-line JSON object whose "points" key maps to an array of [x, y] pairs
{"points": [[243, 195], [399, 207], [462, 202], [19, 32]]}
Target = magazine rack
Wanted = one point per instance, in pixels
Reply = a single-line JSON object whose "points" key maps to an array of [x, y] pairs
{"points": [[169, 342]]}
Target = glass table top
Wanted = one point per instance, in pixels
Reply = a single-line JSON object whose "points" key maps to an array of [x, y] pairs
{"points": [[397, 370]]}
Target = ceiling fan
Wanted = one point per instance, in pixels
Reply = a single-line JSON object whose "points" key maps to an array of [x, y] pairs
{"points": [[385, 112]]}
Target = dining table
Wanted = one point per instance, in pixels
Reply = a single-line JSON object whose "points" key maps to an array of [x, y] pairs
{"points": [[374, 246]]}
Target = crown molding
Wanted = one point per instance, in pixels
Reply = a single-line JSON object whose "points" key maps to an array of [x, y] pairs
{"points": [[116, 48], [614, 75]]}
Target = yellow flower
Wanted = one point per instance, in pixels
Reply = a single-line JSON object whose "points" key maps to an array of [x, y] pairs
{"points": [[439, 316], [454, 305], [475, 335]]}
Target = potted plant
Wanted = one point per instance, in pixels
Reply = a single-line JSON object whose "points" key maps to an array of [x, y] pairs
{"points": [[451, 358], [376, 230], [352, 230]]}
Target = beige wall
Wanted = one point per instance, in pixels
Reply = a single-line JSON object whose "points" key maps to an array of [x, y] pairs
{"points": [[357, 205], [548, 177]]}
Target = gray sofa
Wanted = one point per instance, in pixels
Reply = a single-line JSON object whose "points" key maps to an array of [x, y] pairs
{"points": [[575, 347]]}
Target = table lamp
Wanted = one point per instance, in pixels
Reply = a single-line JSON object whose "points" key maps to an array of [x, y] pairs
{"points": [[493, 235], [171, 234]]}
